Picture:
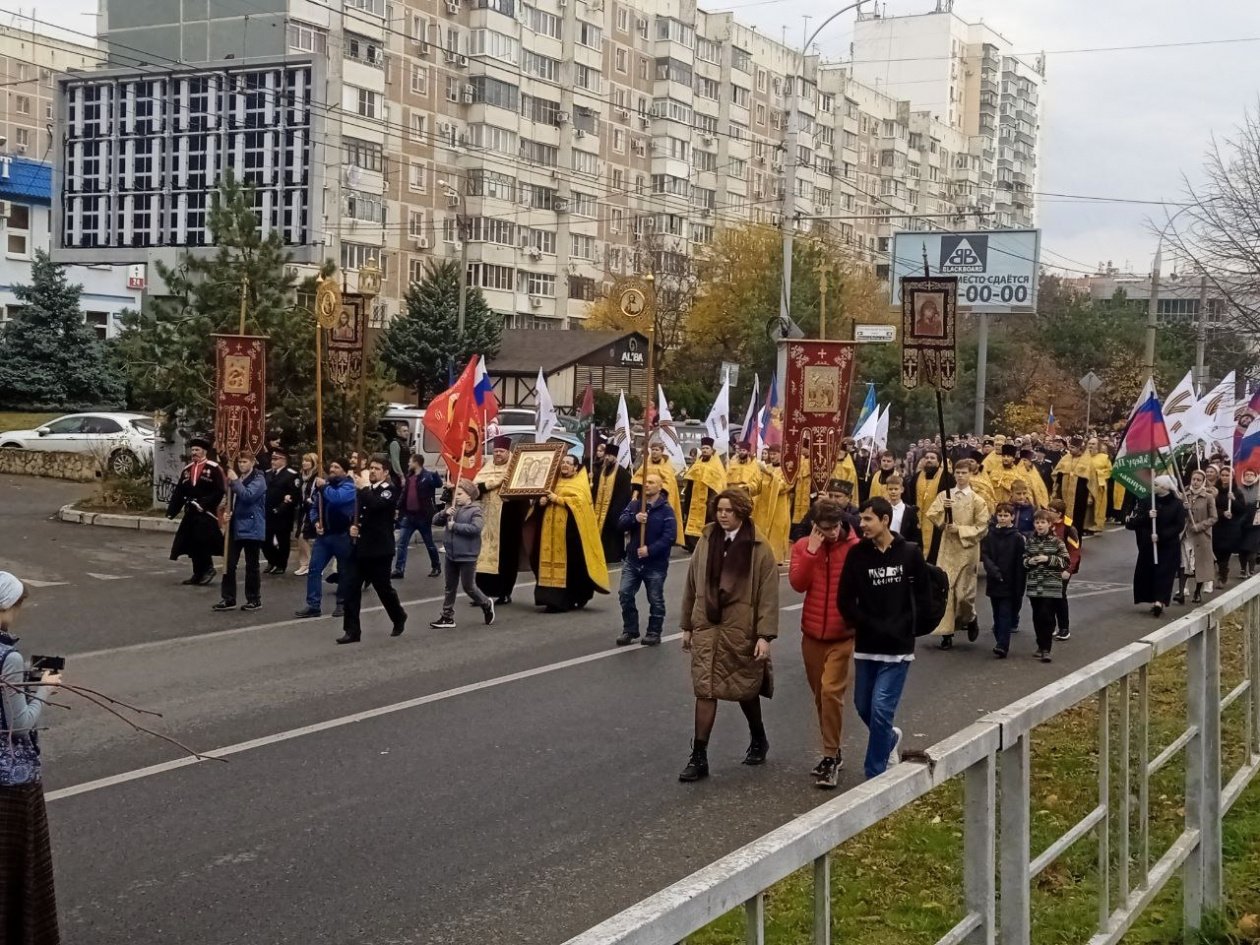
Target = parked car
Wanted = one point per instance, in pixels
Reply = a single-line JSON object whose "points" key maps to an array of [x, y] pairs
{"points": [[124, 441]]}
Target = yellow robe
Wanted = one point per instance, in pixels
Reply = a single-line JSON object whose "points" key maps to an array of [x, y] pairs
{"points": [[772, 511], [669, 480], [846, 471], [1074, 468], [1003, 480], [992, 461], [707, 479], [748, 475], [801, 492], [573, 497], [877, 488], [490, 477], [959, 556], [983, 486], [925, 491], [1102, 476], [1036, 485]]}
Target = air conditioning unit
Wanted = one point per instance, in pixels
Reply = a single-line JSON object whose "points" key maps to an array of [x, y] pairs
{"points": [[423, 49], [707, 139], [461, 60], [623, 113], [597, 6], [452, 199], [468, 94], [562, 117], [777, 167], [533, 252], [645, 122], [579, 133], [452, 6], [560, 205], [446, 129], [760, 159], [420, 242], [536, 300]]}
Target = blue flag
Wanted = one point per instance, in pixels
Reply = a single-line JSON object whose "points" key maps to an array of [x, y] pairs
{"points": [[868, 408]]}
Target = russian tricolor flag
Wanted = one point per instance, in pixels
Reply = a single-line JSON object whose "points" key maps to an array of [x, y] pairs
{"points": [[483, 392]]}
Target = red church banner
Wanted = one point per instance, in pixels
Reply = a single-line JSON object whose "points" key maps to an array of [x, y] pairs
{"points": [[816, 405], [240, 414]]}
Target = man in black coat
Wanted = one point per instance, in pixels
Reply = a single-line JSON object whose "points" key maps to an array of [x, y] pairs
{"points": [[610, 494], [372, 556], [199, 493], [283, 498]]}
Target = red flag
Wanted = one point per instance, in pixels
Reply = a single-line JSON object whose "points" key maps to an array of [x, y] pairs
{"points": [[588, 402], [454, 420]]}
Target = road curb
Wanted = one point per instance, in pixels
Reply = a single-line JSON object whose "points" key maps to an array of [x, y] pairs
{"points": [[140, 523]]}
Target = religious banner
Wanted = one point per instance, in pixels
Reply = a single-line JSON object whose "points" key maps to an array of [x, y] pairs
{"points": [[928, 322], [816, 405], [240, 414], [345, 342]]}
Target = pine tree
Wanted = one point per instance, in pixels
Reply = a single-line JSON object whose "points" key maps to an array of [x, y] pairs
{"points": [[422, 344], [167, 348], [49, 358]]}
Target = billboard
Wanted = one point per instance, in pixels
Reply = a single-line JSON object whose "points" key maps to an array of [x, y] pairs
{"points": [[996, 269]]}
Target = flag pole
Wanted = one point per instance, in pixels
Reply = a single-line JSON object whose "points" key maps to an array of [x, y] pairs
{"points": [[650, 327], [1154, 531]]}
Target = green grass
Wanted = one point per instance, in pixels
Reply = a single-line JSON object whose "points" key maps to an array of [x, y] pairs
{"points": [[24, 421], [900, 883]]}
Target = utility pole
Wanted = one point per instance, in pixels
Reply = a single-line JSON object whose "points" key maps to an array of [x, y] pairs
{"points": [[1152, 312], [462, 227], [982, 370], [1200, 339]]}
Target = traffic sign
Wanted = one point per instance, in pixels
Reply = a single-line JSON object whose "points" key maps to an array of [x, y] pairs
{"points": [[996, 269], [1090, 383], [874, 333]]}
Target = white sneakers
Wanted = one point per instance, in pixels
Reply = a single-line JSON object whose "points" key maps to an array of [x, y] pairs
{"points": [[894, 756]]}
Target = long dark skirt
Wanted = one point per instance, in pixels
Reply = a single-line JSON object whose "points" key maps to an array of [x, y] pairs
{"points": [[511, 521], [28, 905], [1152, 582], [579, 588], [1080, 506]]}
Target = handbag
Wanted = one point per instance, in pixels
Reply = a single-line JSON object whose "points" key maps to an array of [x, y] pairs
{"points": [[19, 752]]}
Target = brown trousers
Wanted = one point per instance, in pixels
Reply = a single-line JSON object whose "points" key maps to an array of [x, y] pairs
{"points": [[827, 669]]}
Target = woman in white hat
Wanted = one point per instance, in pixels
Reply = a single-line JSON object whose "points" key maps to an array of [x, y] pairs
{"points": [[1159, 558], [28, 907]]}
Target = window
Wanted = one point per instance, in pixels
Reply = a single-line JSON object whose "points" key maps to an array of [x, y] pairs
{"points": [[416, 229], [618, 220], [542, 66], [739, 169], [18, 230], [493, 230], [489, 276], [619, 140], [672, 70], [305, 38], [581, 247], [100, 324], [536, 283], [538, 197], [489, 91], [415, 270], [674, 148], [418, 127], [709, 51], [484, 183], [761, 80], [364, 102], [589, 35], [361, 206], [737, 131], [506, 7], [494, 45], [587, 77], [622, 60], [362, 49], [643, 68], [704, 160], [365, 154], [22, 137], [665, 184], [623, 20], [706, 124], [671, 29], [704, 197], [540, 109], [492, 138], [535, 152], [418, 177], [739, 95], [548, 24], [701, 234], [582, 287], [618, 179], [583, 204], [741, 59], [707, 88], [420, 80], [376, 7], [761, 114], [672, 109], [354, 255], [585, 163]]}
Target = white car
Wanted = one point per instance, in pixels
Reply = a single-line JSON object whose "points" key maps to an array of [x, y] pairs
{"points": [[122, 440]]}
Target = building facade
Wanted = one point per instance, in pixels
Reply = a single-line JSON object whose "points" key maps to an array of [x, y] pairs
{"points": [[551, 146]]}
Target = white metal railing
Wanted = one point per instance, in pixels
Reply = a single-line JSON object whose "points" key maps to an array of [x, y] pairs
{"points": [[998, 747]]}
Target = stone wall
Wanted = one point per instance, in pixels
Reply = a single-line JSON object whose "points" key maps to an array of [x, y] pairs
{"points": [[79, 467]]}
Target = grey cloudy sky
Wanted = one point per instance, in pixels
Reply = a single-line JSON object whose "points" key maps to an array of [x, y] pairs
{"points": [[1120, 124]]}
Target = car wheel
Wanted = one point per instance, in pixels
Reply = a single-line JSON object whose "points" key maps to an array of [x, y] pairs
{"points": [[123, 463], [10, 446]]}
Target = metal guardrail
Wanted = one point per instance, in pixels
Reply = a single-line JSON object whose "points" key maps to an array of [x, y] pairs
{"points": [[998, 748]]}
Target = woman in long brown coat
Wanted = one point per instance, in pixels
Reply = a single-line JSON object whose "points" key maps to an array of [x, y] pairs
{"points": [[1196, 543], [730, 614]]}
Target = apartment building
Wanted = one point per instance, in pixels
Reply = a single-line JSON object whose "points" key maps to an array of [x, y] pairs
{"points": [[553, 145], [30, 58]]}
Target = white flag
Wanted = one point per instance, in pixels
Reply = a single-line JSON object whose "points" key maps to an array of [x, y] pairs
{"points": [[545, 418], [881, 429], [1216, 411], [1179, 413], [718, 423], [621, 433], [868, 432], [668, 432], [751, 430]]}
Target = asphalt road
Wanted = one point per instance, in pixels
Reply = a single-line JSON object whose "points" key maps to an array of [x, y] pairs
{"points": [[514, 783]]}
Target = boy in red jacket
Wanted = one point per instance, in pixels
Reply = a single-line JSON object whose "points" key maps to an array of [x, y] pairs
{"points": [[826, 643]]}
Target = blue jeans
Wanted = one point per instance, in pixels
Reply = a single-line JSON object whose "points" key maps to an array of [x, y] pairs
{"points": [[408, 525], [876, 691], [634, 573], [327, 548], [1005, 619]]}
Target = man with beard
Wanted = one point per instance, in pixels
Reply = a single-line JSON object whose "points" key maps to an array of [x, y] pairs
{"points": [[887, 468], [659, 463], [744, 472], [282, 499], [566, 552], [199, 493], [500, 554], [772, 508], [610, 493], [1077, 485], [926, 483], [705, 478]]}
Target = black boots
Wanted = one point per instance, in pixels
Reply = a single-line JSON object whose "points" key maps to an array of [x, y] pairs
{"points": [[757, 750], [697, 765]]}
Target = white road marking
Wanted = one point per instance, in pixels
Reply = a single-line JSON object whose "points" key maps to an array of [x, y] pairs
{"points": [[108, 577], [33, 583]]}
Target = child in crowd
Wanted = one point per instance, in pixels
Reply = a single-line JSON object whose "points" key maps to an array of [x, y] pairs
{"points": [[1022, 503], [463, 521], [1002, 554], [1072, 541], [1045, 560]]}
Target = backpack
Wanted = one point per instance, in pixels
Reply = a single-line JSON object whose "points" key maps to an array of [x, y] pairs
{"points": [[938, 599]]}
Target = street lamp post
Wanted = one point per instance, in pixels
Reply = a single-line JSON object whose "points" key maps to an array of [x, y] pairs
{"points": [[789, 165], [1152, 305]]}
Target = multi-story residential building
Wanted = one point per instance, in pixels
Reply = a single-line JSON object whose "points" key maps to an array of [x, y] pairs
{"points": [[553, 145], [29, 60]]}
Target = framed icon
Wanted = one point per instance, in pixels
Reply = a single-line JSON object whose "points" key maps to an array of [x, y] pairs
{"points": [[532, 470]]}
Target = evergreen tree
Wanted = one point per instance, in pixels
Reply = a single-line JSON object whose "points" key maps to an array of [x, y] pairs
{"points": [[422, 343], [49, 358], [167, 348]]}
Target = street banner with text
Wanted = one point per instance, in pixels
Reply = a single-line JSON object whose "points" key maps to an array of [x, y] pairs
{"points": [[816, 405]]}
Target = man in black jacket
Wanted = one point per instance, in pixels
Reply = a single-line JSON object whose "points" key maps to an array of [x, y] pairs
{"points": [[199, 493], [373, 551], [883, 590], [282, 502]]}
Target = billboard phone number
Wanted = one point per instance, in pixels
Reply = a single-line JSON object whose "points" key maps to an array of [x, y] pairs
{"points": [[1013, 294]]}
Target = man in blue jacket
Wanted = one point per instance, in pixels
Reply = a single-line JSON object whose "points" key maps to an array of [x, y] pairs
{"points": [[646, 561], [332, 513], [248, 526]]}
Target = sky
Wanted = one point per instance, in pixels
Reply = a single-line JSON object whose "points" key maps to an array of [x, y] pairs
{"points": [[1115, 124]]}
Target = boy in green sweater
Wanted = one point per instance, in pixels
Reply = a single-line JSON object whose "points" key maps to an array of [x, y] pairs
{"points": [[1045, 560]]}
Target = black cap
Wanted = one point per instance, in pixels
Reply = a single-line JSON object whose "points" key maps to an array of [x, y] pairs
{"points": [[706, 441], [1010, 449], [1026, 453], [610, 449], [840, 485], [502, 443], [205, 442]]}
